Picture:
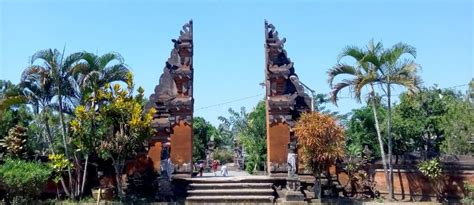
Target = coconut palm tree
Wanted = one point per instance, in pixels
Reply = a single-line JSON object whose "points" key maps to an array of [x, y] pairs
{"points": [[376, 66]]}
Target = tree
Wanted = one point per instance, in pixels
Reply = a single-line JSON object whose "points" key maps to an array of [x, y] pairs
{"points": [[249, 129], [56, 72], [126, 125], [383, 67], [364, 73], [10, 94], [458, 126], [360, 129], [321, 139], [397, 71], [202, 132], [94, 72]]}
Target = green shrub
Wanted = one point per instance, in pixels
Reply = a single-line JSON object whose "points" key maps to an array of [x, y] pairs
{"points": [[22, 179], [223, 155], [469, 193]]}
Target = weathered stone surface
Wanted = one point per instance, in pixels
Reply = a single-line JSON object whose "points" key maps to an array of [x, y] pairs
{"points": [[173, 101], [285, 100]]}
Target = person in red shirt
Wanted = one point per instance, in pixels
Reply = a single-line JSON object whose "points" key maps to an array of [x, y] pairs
{"points": [[214, 166]]}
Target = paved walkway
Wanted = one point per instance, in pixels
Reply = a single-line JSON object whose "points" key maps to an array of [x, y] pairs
{"points": [[232, 173]]}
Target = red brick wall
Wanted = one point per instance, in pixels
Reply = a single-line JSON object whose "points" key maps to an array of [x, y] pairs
{"points": [[154, 153], [277, 142], [181, 144], [412, 185]]}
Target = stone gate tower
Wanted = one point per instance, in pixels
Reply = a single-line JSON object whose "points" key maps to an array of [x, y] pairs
{"points": [[173, 101], [285, 101]]}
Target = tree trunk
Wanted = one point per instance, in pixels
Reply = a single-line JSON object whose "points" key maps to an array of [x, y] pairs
{"points": [[48, 132], [389, 137], [49, 138], [63, 132], [118, 171], [379, 138], [318, 185], [84, 176]]}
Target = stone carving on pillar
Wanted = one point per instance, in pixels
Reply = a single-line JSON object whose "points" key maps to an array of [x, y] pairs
{"points": [[174, 103], [285, 98], [292, 158]]}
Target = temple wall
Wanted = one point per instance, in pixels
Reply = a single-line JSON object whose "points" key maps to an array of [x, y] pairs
{"points": [[181, 144], [154, 153], [412, 185], [277, 142]]}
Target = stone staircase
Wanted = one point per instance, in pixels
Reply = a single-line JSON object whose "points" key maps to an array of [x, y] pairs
{"points": [[229, 191]]}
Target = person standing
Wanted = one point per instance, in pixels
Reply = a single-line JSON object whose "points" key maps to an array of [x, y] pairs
{"points": [[215, 164], [201, 168]]}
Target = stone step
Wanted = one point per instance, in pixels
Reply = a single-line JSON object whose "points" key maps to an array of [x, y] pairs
{"points": [[195, 186], [231, 192], [229, 199]]}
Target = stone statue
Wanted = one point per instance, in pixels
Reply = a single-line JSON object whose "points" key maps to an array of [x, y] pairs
{"points": [[166, 166], [291, 160]]}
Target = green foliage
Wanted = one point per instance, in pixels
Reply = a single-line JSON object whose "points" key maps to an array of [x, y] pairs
{"points": [[10, 95], [360, 128], [431, 169], [223, 155], [202, 132], [458, 127], [15, 143], [116, 129], [441, 120], [249, 129], [468, 194], [23, 179], [58, 164]]}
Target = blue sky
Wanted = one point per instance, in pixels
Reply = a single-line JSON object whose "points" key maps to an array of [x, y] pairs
{"points": [[229, 38]]}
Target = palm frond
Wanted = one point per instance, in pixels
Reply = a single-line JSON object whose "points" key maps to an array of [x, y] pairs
{"points": [[352, 51], [340, 69], [115, 73], [68, 64], [337, 88], [108, 57]]}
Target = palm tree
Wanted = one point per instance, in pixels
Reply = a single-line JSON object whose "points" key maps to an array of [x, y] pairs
{"points": [[377, 66], [53, 79], [363, 74], [397, 71], [10, 94], [94, 72]]}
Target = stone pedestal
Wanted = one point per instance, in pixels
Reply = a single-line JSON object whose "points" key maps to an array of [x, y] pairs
{"points": [[293, 190]]}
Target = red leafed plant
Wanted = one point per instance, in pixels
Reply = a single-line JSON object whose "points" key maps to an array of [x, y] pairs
{"points": [[321, 139]]}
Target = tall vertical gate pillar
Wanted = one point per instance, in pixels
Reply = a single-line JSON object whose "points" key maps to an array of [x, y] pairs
{"points": [[171, 146], [285, 100]]}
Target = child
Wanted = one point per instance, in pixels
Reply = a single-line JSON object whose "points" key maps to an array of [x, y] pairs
{"points": [[224, 171]]}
